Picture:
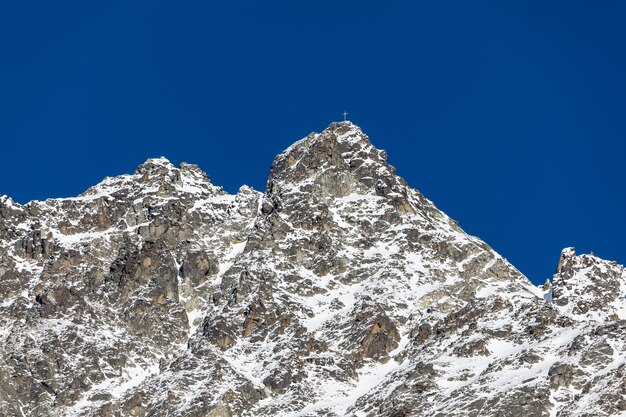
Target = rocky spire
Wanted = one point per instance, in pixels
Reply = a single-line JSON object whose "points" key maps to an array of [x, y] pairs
{"points": [[589, 287], [337, 162]]}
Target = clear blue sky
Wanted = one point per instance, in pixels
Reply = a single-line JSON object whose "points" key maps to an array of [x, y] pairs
{"points": [[510, 116]]}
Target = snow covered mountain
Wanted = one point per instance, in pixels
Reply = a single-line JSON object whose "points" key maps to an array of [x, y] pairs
{"points": [[339, 291]]}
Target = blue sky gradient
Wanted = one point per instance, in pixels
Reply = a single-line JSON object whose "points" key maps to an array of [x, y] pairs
{"points": [[510, 116]]}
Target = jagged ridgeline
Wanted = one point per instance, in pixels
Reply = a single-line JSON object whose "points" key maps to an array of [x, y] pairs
{"points": [[339, 291]]}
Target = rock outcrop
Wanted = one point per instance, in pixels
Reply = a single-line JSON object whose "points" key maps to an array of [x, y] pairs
{"points": [[339, 291]]}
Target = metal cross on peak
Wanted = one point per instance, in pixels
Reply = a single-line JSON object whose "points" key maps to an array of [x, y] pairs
{"points": [[345, 113]]}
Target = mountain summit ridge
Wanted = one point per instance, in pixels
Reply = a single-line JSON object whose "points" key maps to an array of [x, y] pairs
{"points": [[339, 291]]}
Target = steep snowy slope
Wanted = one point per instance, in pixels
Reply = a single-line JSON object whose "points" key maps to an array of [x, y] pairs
{"points": [[340, 291]]}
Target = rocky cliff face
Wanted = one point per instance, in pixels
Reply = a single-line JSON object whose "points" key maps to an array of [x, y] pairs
{"points": [[339, 291]]}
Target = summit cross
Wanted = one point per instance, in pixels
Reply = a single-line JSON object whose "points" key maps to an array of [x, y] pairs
{"points": [[345, 113]]}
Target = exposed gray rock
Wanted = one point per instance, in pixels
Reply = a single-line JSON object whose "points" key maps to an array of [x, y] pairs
{"points": [[339, 291]]}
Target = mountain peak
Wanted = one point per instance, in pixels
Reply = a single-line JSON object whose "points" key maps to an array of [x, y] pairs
{"points": [[345, 132], [155, 165], [339, 161], [588, 286], [343, 126]]}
